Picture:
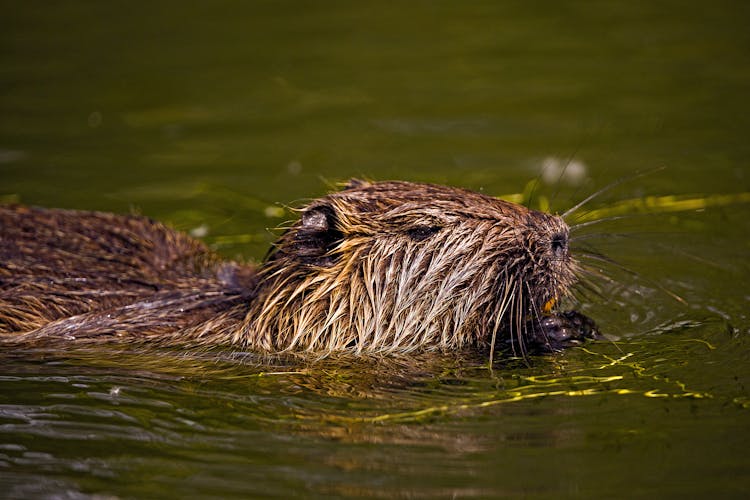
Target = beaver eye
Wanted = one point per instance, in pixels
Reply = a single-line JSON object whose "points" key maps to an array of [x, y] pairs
{"points": [[559, 244], [419, 233]]}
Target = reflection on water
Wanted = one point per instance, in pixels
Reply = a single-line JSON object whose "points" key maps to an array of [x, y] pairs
{"points": [[215, 118], [224, 422]]}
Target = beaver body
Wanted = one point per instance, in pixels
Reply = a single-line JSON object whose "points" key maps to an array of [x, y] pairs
{"points": [[376, 267]]}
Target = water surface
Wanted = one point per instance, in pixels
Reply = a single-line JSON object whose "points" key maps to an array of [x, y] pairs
{"points": [[216, 118]]}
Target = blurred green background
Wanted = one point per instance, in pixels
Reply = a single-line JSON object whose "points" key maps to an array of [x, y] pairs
{"points": [[216, 116], [208, 113]]}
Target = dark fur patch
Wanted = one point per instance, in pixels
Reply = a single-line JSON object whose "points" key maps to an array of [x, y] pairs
{"points": [[420, 233]]}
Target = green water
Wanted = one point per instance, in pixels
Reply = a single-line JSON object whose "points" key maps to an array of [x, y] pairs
{"points": [[215, 118]]}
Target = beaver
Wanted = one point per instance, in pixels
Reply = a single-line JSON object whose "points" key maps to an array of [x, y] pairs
{"points": [[376, 267]]}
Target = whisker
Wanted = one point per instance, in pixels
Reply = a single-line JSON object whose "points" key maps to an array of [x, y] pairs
{"points": [[534, 187], [519, 324], [611, 261], [595, 273], [537, 316], [511, 325], [629, 235], [635, 218], [581, 294], [603, 190], [499, 319], [581, 225], [558, 182], [591, 286], [695, 257]]}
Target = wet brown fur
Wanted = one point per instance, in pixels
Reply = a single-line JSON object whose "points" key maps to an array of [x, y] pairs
{"points": [[376, 267]]}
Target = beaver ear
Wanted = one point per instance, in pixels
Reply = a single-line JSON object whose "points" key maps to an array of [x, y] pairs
{"points": [[318, 235], [318, 219]]}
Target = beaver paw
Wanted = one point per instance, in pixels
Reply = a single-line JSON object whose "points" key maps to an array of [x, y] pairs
{"points": [[557, 331]]}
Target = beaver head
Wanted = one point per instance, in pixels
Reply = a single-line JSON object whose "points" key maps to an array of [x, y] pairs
{"points": [[399, 266]]}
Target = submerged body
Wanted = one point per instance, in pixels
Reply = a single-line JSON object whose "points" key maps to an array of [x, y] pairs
{"points": [[376, 267]]}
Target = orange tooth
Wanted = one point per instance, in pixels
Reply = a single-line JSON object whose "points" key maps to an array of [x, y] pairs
{"points": [[548, 305]]}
